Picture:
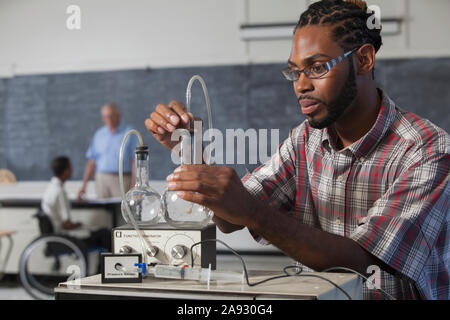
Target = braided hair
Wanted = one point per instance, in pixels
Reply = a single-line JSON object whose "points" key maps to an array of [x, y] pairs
{"points": [[350, 18]]}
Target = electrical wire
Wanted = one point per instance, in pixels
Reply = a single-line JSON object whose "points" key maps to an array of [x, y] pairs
{"points": [[298, 273]]}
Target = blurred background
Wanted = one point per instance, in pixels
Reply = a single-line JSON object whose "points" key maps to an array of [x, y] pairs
{"points": [[137, 54]]}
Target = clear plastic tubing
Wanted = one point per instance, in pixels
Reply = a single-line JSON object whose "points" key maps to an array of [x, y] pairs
{"points": [[208, 103], [140, 233]]}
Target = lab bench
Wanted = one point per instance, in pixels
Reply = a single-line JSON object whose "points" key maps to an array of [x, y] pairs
{"points": [[290, 288]]}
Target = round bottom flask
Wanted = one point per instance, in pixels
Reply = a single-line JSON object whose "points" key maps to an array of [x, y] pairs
{"points": [[145, 206], [143, 201], [180, 213]]}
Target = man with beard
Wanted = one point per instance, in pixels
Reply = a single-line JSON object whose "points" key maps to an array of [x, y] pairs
{"points": [[360, 184]]}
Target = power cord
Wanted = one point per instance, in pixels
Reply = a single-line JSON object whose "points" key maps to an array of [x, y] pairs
{"points": [[298, 272]]}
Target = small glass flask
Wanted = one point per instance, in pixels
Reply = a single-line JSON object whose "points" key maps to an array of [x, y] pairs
{"points": [[180, 213], [143, 201]]}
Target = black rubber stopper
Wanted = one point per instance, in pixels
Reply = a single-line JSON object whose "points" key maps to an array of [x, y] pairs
{"points": [[142, 153]]}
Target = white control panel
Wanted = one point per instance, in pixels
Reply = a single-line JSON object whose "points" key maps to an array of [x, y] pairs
{"points": [[120, 268], [164, 246]]}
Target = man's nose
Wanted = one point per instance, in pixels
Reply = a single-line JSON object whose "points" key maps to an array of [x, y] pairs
{"points": [[303, 84]]}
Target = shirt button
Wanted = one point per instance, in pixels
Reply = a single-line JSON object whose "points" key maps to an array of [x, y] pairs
{"points": [[340, 178], [362, 159], [338, 221]]}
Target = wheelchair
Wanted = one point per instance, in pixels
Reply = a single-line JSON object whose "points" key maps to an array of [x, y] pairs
{"points": [[50, 259]]}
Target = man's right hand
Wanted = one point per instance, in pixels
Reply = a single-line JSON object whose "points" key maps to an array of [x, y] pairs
{"points": [[166, 119], [81, 193]]}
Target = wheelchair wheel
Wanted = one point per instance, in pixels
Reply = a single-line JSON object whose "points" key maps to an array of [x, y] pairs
{"points": [[47, 261]]}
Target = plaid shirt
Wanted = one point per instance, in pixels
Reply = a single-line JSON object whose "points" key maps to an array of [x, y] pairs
{"points": [[388, 191]]}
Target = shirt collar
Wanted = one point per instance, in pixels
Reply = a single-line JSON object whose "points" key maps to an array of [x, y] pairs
{"points": [[119, 128], [57, 181], [363, 146]]}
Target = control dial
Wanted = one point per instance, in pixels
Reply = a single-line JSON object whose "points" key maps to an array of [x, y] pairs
{"points": [[178, 252], [152, 251], [126, 249]]}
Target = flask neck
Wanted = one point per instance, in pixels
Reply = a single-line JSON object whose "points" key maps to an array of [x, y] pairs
{"points": [[191, 151], [142, 172]]}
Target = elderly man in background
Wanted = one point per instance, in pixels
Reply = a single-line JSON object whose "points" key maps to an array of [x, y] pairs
{"points": [[103, 156]]}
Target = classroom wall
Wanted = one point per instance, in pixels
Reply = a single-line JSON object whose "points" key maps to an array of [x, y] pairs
{"points": [[137, 34]]}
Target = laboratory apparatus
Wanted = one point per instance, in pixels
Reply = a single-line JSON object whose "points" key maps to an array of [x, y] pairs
{"points": [[142, 201], [121, 268], [178, 212], [129, 268], [194, 273], [167, 245], [141, 205]]}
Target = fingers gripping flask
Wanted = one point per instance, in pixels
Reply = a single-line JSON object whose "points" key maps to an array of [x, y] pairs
{"points": [[180, 213], [143, 201]]}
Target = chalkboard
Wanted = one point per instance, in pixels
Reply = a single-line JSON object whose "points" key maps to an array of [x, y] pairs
{"points": [[43, 116]]}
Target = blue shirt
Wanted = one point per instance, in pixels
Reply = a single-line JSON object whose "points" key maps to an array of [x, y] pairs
{"points": [[105, 149]]}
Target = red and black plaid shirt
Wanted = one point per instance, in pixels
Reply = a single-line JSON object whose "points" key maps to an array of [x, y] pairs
{"points": [[388, 191]]}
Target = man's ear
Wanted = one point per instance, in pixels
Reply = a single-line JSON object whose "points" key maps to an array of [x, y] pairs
{"points": [[365, 59]]}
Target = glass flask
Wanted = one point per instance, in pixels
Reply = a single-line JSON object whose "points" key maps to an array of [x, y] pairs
{"points": [[180, 213], [143, 201]]}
